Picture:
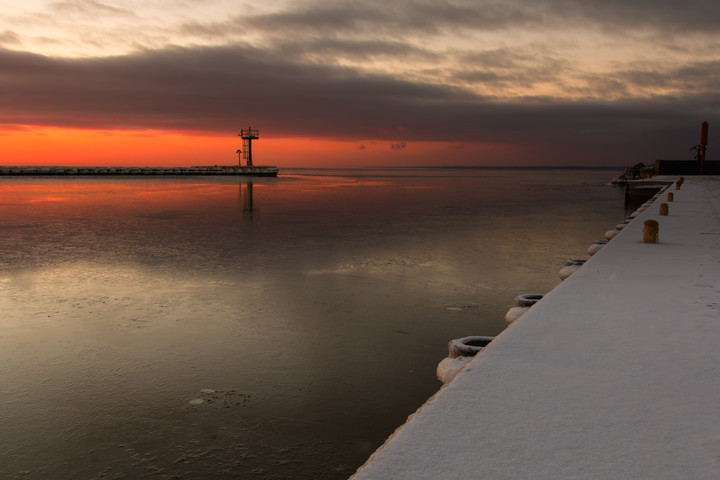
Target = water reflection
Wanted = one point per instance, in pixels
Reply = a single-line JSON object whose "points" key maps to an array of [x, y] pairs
{"points": [[247, 196], [160, 327]]}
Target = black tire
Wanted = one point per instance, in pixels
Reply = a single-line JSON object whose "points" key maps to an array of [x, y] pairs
{"points": [[467, 346], [527, 299], [574, 261]]}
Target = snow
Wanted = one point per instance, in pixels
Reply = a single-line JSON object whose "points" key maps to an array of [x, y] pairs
{"points": [[515, 313], [615, 374], [449, 367], [596, 247]]}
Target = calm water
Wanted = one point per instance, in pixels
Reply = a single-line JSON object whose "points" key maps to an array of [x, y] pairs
{"points": [[181, 328]]}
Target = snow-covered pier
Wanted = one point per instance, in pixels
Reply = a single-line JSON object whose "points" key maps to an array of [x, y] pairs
{"points": [[614, 374], [251, 170]]}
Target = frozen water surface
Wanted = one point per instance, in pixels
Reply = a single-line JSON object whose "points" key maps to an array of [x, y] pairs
{"points": [[279, 328]]}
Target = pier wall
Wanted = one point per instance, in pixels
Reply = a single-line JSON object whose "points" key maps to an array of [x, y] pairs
{"points": [[686, 167], [613, 374]]}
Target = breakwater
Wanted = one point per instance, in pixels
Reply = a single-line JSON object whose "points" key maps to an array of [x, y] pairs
{"points": [[260, 171]]}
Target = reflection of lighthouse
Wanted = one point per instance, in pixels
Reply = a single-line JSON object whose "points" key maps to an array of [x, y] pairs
{"points": [[248, 197], [247, 135]]}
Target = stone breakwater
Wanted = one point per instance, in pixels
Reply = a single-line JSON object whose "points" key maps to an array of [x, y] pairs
{"points": [[263, 171]]}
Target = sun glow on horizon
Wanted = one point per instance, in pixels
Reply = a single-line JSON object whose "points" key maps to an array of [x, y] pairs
{"points": [[63, 146], [29, 145]]}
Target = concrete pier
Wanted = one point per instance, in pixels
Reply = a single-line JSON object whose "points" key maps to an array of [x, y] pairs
{"points": [[250, 170], [614, 374]]}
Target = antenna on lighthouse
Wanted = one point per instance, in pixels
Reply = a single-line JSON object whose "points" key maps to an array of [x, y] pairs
{"points": [[247, 135]]}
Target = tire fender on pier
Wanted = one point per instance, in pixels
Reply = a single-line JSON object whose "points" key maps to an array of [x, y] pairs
{"points": [[596, 247], [571, 266], [462, 351], [515, 313], [468, 346], [527, 299]]}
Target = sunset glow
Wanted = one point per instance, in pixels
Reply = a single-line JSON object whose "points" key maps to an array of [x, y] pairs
{"points": [[62, 146], [346, 84], [76, 147]]}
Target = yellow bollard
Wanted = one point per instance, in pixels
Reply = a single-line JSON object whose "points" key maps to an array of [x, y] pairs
{"points": [[664, 209], [671, 196], [651, 232]]}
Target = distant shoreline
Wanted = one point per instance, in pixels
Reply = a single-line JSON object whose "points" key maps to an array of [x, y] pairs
{"points": [[468, 167]]}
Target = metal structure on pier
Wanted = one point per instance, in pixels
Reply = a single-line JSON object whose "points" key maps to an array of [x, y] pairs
{"points": [[247, 135]]}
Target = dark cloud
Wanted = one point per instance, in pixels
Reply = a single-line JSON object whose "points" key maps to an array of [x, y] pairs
{"points": [[684, 80], [216, 90], [361, 50], [208, 89], [510, 68], [8, 37], [14, 128], [367, 33], [390, 20], [90, 9], [667, 17], [423, 17], [431, 17]]}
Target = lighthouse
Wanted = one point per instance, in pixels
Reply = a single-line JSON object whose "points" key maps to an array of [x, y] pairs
{"points": [[247, 135]]}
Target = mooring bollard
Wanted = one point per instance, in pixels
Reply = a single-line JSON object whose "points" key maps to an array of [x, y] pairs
{"points": [[678, 184], [664, 209], [670, 197], [651, 231]]}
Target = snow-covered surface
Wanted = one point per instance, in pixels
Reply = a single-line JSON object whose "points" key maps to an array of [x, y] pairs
{"points": [[515, 313], [615, 374], [448, 368]]}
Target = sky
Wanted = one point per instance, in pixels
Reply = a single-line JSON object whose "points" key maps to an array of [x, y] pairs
{"points": [[348, 83]]}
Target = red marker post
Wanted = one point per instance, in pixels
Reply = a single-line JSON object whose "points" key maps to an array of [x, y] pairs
{"points": [[703, 144]]}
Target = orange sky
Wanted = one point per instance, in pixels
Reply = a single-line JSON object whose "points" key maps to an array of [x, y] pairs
{"points": [[58, 146], [345, 84]]}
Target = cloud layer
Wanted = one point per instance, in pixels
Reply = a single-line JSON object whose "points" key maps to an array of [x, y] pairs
{"points": [[596, 78]]}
